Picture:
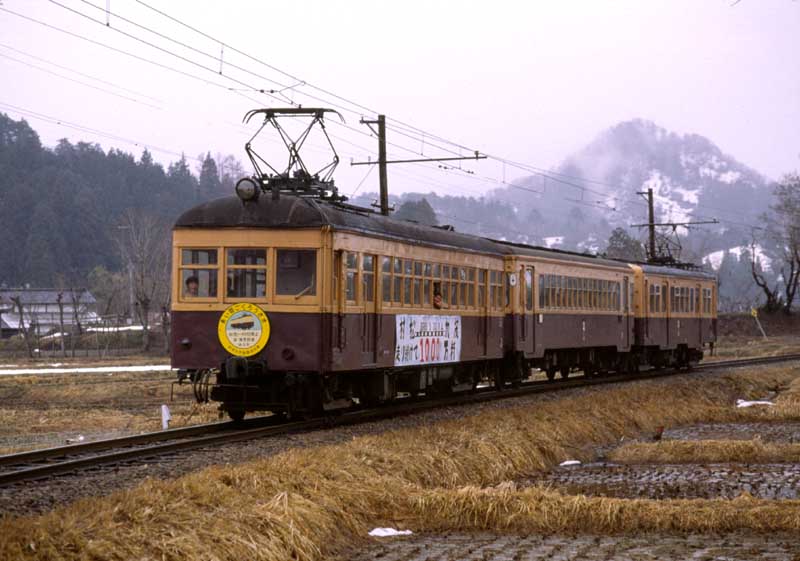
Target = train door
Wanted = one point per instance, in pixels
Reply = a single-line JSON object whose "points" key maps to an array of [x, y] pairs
{"points": [[527, 316], [369, 318], [483, 307], [626, 307], [697, 319], [647, 305], [666, 288]]}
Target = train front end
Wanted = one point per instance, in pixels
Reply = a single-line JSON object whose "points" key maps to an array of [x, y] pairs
{"points": [[247, 304]]}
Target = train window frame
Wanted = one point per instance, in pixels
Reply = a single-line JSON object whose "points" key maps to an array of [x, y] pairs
{"points": [[294, 299], [367, 278], [192, 269], [386, 279], [233, 267]]}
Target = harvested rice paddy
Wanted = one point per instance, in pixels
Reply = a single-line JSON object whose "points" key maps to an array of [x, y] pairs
{"points": [[454, 477]]}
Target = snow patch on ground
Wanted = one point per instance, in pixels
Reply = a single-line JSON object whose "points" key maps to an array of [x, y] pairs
{"points": [[82, 370], [729, 177], [115, 329], [687, 195], [743, 403], [553, 241], [388, 532], [662, 191], [715, 258]]}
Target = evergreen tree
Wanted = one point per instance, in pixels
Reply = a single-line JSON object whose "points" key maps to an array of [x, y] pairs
{"points": [[209, 183], [622, 245], [418, 211]]}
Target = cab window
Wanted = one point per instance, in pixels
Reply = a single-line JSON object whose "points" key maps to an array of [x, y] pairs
{"points": [[296, 272], [198, 273], [247, 273]]}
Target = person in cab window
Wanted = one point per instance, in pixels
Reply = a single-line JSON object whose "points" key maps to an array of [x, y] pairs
{"points": [[437, 296], [192, 287]]}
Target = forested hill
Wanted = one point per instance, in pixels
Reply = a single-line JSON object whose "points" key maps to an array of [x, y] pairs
{"points": [[61, 208]]}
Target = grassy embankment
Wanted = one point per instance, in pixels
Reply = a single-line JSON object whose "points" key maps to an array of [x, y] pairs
{"points": [[455, 475]]}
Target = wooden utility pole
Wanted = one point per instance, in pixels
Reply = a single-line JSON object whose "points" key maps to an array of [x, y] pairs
{"points": [[653, 256], [652, 222], [383, 177], [382, 161]]}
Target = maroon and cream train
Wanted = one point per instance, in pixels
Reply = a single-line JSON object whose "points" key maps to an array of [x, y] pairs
{"points": [[301, 305]]}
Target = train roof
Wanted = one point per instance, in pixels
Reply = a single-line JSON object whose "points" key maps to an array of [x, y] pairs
{"points": [[562, 255], [675, 272], [304, 212]]}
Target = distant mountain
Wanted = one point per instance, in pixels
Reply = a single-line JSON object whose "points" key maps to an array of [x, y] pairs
{"points": [[577, 205], [595, 189]]}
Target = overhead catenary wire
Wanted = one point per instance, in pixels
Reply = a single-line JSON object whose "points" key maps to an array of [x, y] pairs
{"points": [[97, 132], [79, 73], [426, 135], [52, 73]]}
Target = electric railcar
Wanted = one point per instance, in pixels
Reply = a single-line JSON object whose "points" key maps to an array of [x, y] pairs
{"points": [[294, 304]]}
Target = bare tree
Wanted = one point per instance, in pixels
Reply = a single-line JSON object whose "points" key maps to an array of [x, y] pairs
{"points": [[783, 230], [230, 171], [771, 293], [143, 242], [61, 333], [27, 330]]}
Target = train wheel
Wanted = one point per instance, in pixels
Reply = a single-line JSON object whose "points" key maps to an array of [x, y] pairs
{"points": [[564, 372], [551, 374], [236, 415]]}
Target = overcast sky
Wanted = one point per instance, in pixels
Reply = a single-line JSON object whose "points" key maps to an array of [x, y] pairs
{"points": [[530, 81]]}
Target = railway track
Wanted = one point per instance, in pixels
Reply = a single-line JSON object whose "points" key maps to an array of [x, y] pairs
{"points": [[38, 464]]}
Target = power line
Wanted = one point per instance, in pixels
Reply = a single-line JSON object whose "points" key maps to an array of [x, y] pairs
{"points": [[89, 76], [90, 130], [134, 100]]}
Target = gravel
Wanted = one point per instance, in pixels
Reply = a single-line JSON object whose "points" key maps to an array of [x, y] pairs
{"points": [[690, 481], [648, 547]]}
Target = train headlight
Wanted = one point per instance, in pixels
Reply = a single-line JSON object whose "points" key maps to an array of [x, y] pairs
{"points": [[247, 189]]}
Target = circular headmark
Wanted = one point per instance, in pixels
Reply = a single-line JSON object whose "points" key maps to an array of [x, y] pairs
{"points": [[243, 329]]}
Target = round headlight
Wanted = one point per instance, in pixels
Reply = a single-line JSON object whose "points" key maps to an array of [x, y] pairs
{"points": [[247, 189]]}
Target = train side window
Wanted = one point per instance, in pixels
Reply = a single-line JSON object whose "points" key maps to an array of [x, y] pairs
{"points": [[397, 287], [368, 277], [471, 287], [481, 288], [386, 278], [528, 289], [556, 303], [351, 276], [198, 273]]}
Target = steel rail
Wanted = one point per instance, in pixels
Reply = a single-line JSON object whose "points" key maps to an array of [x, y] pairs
{"points": [[189, 438]]}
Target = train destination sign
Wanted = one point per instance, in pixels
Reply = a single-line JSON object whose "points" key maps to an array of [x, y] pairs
{"points": [[423, 339], [243, 329]]}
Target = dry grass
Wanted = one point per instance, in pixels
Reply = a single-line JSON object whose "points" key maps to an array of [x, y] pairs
{"points": [[705, 451], [44, 410], [307, 503], [541, 510], [736, 346]]}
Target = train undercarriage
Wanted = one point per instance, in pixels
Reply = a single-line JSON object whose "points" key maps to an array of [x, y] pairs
{"points": [[244, 385]]}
